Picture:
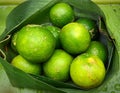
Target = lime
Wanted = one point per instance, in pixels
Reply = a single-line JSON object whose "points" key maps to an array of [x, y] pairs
{"points": [[98, 49], [61, 14], [58, 66], [55, 31], [35, 43], [26, 66], [90, 25], [13, 41], [74, 38], [87, 71]]}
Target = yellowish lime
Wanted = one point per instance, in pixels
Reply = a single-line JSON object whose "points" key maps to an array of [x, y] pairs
{"points": [[87, 71]]}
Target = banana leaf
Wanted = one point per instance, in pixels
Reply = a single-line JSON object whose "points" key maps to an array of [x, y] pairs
{"points": [[36, 12]]}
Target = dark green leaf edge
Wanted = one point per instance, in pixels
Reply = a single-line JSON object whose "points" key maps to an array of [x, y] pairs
{"points": [[55, 83], [107, 41]]}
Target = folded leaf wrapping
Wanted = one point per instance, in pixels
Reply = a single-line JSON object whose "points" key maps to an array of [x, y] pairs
{"points": [[36, 12]]}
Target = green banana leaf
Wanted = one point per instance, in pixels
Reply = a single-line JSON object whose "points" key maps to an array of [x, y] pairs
{"points": [[36, 10]]}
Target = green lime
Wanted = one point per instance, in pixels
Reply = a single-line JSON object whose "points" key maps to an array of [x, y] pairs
{"points": [[74, 38], [98, 49], [61, 14], [35, 43], [13, 41], [26, 66], [58, 66], [55, 31], [90, 25], [87, 71]]}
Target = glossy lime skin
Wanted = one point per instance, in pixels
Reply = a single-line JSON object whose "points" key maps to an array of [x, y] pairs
{"points": [[98, 49], [26, 66], [74, 38], [55, 31], [13, 41], [61, 14], [35, 43], [87, 71], [58, 66], [91, 26]]}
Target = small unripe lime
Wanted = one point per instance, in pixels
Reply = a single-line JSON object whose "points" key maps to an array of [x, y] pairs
{"points": [[98, 49], [61, 14], [26, 66], [13, 41], [58, 66], [55, 31], [91, 26]]}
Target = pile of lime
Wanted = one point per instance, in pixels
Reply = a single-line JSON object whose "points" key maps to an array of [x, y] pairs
{"points": [[66, 49]]}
